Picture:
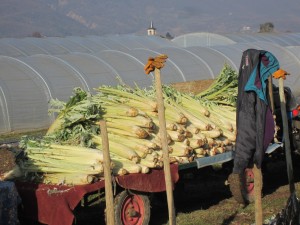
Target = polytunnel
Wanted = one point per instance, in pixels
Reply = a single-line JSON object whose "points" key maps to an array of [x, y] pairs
{"points": [[36, 70], [211, 39]]}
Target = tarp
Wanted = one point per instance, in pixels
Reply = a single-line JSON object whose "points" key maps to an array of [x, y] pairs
{"points": [[54, 204]]}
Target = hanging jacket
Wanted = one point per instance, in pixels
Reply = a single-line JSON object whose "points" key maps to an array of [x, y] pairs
{"points": [[255, 123]]}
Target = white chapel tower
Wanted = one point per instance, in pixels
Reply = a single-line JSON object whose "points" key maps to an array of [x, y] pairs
{"points": [[151, 30]]}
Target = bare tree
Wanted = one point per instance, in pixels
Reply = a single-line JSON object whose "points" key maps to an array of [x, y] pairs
{"points": [[267, 27], [37, 34]]}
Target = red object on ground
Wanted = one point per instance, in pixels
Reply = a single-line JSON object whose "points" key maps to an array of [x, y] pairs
{"points": [[54, 204]]}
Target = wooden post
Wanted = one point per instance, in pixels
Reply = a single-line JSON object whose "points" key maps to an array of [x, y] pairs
{"points": [[271, 95], [109, 199], [163, 135], [286, 137], [257, 195]]}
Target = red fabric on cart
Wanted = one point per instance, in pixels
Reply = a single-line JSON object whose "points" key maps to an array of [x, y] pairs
{"points": [[150, 182], [53, 204]]}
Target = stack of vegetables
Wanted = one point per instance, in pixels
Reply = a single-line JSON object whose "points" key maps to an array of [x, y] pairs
{"points": [[71, 151]]}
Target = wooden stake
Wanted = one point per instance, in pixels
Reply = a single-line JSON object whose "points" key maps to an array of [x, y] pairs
{"points": [[257, 195], [109, 199], [271, 95], [163, 133], [286, 137]]}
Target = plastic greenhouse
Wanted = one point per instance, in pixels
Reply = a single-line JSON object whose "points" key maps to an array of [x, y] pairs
{"points": [[35, 70]]}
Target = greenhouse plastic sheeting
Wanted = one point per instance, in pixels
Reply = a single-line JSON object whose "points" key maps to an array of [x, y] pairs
{"points": [[16, 47], [211, 39], [33, 70]]}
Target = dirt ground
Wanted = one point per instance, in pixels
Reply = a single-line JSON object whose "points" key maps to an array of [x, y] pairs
{"points": [[206, 200], [202, 198], [7, 159], [194, 87]]}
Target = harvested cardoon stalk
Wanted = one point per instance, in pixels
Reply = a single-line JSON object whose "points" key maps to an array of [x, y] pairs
{"points": [[132, 141], [212, 133], [225, 113], [184, 100], [144, 169], [151, 158], [198, 122], [119, 171], [41, 160], [230, 135], [221, 121], [219, 150], [141, 121], [120, 110], [91, 155], [210, 142], [129, 166], [117, 148], [188, 134], [191, 128], [159, 164], [132, 98], [141, 154], [196, 143], [186, 142], [173, 159], [155, 154], [175, 136], [182, 159], [156, 139], [223, 141], [211, 152], [139, 148], [67, 179], [148, 163], [46, 167], [174, 115], [131, 131], [180, 129], [76, 158], [169, 125], [199, 151], [200, 136], [180, 149], [73, 148]]}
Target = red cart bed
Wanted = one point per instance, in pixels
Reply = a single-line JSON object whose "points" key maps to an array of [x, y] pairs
{"points": [[54, 204]]}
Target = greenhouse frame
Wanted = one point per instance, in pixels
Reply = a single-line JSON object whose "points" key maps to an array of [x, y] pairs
{"points": [[36, 70]]}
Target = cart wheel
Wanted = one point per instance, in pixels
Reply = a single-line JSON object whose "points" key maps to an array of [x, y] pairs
{"points": [[242, 186], [132, 209]]}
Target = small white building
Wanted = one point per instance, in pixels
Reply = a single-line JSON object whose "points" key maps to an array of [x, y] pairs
{"points": [[151, 30]]}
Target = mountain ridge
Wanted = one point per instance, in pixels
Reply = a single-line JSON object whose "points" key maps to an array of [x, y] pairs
{"points": [[22, 18]]}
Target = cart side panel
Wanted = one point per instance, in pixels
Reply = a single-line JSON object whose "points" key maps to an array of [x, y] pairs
{"points": [[150, 182]]}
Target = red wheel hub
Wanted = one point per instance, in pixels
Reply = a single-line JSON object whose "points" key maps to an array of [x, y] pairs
{"points": [[249, 175], [133, 210]]}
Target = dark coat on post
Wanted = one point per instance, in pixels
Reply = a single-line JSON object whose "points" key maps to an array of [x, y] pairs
{"points": [[255, 123]]}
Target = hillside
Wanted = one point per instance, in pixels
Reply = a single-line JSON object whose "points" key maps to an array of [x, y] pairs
{"points": [[20, 18]]}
